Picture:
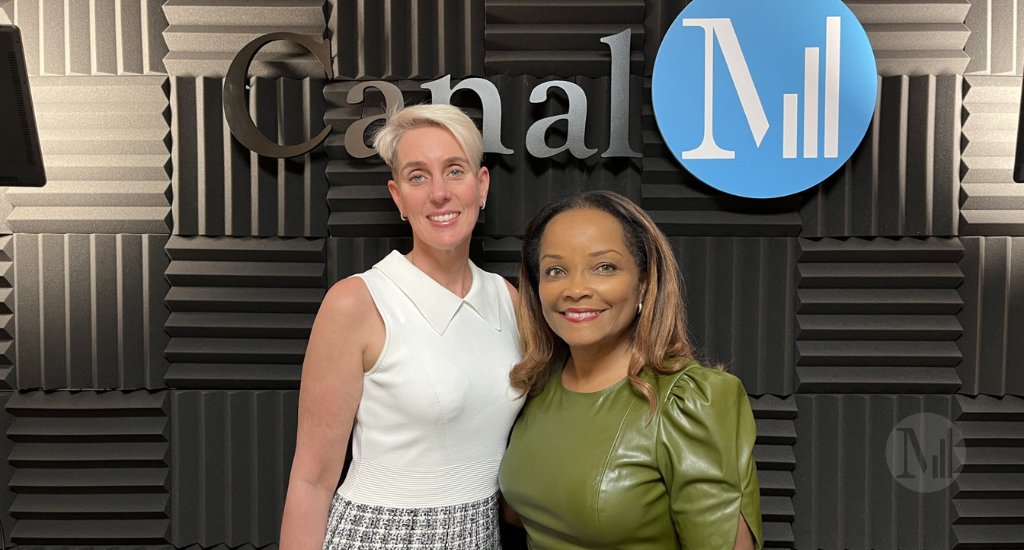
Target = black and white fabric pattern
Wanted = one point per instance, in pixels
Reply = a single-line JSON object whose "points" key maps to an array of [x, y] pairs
{"points": [[470, 526]]}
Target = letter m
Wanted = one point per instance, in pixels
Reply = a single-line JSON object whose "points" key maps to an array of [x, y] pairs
{"points": [[737, 65]]}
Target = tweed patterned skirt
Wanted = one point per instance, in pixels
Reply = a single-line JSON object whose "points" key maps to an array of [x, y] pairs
{"points": [[471, 526]]}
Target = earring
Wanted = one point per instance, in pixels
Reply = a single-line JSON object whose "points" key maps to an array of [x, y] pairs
{"points": [[401, 215], [639, 307], [483, 204]]}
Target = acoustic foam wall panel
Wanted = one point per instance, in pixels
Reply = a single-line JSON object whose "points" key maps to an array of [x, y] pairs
{"points": [[89, 311], [988, 499], [105, 144], [241, 310], [222, 188], [683, 205], [501, 256], [6, 469], [399, 39], [90, 467], [740, 299], [520, 183], [773, 451], [98, 37], [232, 453], [992, 316], [878, 316], [7, 312], [915, 37], [658, 17], [846, 497], [997, 37], [990, 202], [559, 37], [203, 36], [902, 179], [348, 256]]}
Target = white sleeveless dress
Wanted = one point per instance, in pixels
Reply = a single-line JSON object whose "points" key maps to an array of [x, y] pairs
{"points": [[434, 417]]}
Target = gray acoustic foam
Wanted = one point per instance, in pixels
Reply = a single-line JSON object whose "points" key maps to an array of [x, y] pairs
{"points": [[203, 36], [501, 256], [89, 311], [403, 39], [915, 37], [773, 451], [232, 455], [222, 188], [90, 467], [658, 17], [846, 498], [358, 198], [740, 298], [683, 205], [992, 316], [98, 37], [997, 37], [241, 310], [105, 144], [903, 178], [990, 202], [878, 316], [559, 37], [348, 256], [988, 499], [6, 469], [7, 312]]}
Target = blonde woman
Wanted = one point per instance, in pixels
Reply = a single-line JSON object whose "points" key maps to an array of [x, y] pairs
{"points": [[412, 359]]}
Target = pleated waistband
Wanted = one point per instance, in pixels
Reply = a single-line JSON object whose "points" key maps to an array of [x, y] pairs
{"points": [[378, 484]]}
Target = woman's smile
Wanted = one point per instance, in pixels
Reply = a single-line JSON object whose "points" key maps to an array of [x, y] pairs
{"points": [[580, 315]]}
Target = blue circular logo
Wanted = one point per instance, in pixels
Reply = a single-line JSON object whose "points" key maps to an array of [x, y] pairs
{"points": [[764, 99]]}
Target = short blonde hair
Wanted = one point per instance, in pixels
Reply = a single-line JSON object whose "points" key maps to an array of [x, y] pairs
{"points": [[450, 118]]}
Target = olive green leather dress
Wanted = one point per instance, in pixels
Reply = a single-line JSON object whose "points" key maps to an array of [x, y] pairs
{"points": [[587, 471]]}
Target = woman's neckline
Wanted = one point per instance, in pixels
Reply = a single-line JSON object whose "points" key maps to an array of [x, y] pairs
{"points": [[608, 389], [472, 276]]}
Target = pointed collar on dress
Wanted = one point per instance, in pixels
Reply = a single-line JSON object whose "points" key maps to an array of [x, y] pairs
{"points": [[437, 304]]}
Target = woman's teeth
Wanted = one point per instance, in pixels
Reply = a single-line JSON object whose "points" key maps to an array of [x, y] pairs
{"points": [[443, 218], [581, 314]]}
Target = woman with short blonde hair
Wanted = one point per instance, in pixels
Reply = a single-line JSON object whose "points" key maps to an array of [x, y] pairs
{"points": [[410, 358]]}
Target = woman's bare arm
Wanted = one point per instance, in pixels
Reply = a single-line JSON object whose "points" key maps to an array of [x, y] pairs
{"points": [[347, 333], [744, 538]]}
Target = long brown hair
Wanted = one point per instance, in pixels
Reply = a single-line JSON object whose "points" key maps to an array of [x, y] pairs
{"points": [[658, 336]]}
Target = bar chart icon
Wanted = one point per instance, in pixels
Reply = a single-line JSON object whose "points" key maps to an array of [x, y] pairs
{"points": [[790, 111]]}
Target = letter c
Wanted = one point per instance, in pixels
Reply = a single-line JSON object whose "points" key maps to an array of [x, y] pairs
{"points": [[235, 111]]}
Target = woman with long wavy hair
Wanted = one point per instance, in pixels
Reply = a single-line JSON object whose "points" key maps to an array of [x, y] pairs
{"points": [[627, 442]]}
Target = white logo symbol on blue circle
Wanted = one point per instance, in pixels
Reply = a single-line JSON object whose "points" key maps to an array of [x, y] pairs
{"points": [[764, 99]]}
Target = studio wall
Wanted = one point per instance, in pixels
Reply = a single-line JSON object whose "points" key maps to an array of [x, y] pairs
{"points": [[157, 294]]}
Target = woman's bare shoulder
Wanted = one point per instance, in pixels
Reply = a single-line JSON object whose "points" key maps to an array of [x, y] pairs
{"points": [[348, 297]]}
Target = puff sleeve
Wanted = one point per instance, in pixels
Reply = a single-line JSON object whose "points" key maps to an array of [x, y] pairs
{"points": [[704, 451]]}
